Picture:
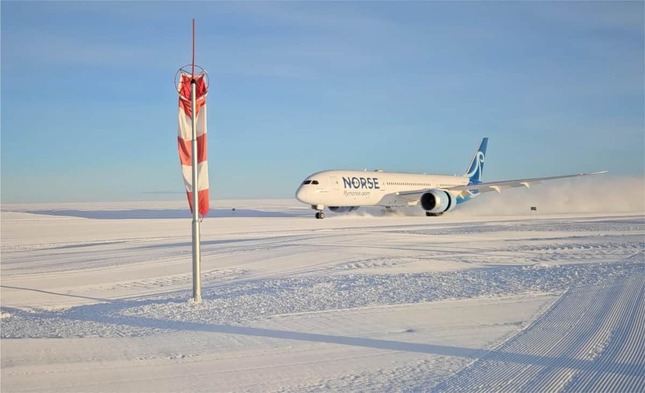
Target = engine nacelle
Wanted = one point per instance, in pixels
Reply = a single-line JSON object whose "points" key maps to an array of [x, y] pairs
{"points": [[342, 209], [437, 201]]}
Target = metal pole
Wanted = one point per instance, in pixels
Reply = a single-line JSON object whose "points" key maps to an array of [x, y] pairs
{"points": [[197, 296], [197, 287], [193, 63]]}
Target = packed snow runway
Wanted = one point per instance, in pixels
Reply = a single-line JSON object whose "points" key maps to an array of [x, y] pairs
{"points": [[97, 299]]}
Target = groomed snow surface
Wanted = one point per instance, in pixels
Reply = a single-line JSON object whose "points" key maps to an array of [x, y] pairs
{"points": [[96, 298]]}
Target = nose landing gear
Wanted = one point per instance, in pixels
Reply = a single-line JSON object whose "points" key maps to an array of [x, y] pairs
{"points": [[319, 211]]}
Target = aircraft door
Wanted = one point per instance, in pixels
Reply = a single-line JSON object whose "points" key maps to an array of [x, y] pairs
{"points": [[334, 182]]}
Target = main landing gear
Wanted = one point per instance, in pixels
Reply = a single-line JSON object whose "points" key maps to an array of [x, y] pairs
{"points": [[428, 214]]}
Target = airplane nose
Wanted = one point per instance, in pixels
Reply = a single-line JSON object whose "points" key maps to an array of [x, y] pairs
{"points": [[301, 194]]}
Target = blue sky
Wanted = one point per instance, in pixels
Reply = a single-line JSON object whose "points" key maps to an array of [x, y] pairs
{"points": [[89, 110]]}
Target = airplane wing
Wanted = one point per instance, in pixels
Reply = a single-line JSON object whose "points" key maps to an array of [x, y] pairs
{"points": [[412, 197], [502, 185]]}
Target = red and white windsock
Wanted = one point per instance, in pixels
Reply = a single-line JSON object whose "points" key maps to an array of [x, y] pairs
{"points": [[184, 139]]}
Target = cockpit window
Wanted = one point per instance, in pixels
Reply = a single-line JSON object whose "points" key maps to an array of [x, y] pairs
{"points": [[314, 182], [307, 182]]}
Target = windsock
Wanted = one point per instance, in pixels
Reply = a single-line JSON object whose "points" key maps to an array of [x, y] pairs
{"points": [[184, 138]]}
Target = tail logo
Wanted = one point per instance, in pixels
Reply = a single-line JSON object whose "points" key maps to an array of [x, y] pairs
{"points": [[475, 170]]}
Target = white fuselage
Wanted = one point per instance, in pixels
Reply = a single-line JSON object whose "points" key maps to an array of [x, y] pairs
{"points": [[362, 188]]}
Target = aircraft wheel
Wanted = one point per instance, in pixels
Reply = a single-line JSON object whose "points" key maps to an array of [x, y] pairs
{"points": [[320, 215]]}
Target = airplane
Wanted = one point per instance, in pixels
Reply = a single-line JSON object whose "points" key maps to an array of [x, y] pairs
{"points": [[343, 191]]}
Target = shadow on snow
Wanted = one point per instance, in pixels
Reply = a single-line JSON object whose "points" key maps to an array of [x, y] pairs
{"points": [[108, 313]]}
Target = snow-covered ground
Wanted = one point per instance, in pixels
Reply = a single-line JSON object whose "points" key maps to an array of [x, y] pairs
{"points": [[96, 298]]}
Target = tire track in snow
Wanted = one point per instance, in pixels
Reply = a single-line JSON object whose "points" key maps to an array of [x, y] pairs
{"points": [[590, 340], [626, 347]]}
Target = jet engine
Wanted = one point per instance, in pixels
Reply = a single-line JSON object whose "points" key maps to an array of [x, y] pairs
{"points": [[342, 209], [436, 202]]}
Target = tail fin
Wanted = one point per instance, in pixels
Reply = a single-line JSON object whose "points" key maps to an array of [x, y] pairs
{"points": [[476, 167]]}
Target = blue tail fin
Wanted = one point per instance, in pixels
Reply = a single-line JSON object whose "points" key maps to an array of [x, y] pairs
{"points": [[476, 167]]}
